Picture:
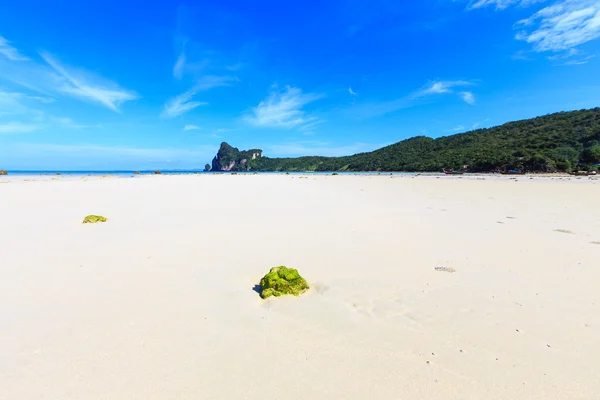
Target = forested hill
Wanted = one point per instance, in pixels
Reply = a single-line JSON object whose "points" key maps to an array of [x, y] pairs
{"points": [[561, 141]]}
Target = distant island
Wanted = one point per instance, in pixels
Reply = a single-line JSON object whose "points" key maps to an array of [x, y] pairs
{"points": [[562, 141]]}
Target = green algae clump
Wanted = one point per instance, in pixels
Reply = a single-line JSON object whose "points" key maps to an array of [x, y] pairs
{"points": [[92, 219], [281, 281]]}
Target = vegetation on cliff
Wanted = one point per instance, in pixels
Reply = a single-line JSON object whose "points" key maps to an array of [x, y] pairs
{"points": [[558, 142]]}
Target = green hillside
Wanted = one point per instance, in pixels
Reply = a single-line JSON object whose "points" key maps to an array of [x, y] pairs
{"points": [[557, 142]]}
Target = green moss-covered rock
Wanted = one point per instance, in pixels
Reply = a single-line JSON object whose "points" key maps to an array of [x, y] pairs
{"points": [[281, 281], [92, 219]]}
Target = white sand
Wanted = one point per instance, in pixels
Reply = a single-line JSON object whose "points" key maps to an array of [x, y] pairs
{"points": [[157, 303]]}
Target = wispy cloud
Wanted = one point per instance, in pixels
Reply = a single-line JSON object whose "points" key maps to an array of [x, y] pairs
{"points": [[501, 4], [438, 87], [191, 127], [434, 88], [468, 97], [521, 55], [561, 26], [13, 103], [84, 85], [181, 104], [10, 52], [458, 128], [184, 102], [557, 27], [283, 109], [352, 92], [68, 123], [18, 127], [56, 78], [179, 65]]}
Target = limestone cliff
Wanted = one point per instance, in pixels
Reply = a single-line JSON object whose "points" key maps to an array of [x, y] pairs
{"points": [[230, 158]]}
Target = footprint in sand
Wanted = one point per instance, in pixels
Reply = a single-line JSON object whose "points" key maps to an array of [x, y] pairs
{"points": [[319, 288], [385, 309]]}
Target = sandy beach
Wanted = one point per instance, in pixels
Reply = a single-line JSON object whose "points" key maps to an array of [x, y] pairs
{"points": [[158, 302]]}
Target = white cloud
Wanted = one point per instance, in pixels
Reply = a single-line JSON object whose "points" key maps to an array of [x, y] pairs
{"points": [[379, 108], [468, 97], [179, 65], [283, 109], [56, 78], [84, 85], [16, 103], [9, 51], [501, 4], [438, 87], [458, 128], [191, 127], [475, 125], [18, 96], [562, 26], [352, 92], [18, 127], [68, 123], [183, 103]]}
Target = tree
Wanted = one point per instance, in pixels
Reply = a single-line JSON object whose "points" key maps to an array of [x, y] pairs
{"points": [[592, 154], [566, 157]]}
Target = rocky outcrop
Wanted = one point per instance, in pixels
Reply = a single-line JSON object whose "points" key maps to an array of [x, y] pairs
{"points": [[281, 281], [93, 219], [230, 158], [3, 172]]}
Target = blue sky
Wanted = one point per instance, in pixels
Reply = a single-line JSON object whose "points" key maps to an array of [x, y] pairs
{"points": [[138, 84]]}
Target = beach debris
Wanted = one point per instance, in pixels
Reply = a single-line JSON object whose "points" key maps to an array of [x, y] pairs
{"points": [[445, 269], [92, 219], [3, 172], [564, 231], [281, 281]]}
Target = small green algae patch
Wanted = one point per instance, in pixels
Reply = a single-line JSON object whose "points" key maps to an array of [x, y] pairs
{"points": [[92, 219], [281, 281]]}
